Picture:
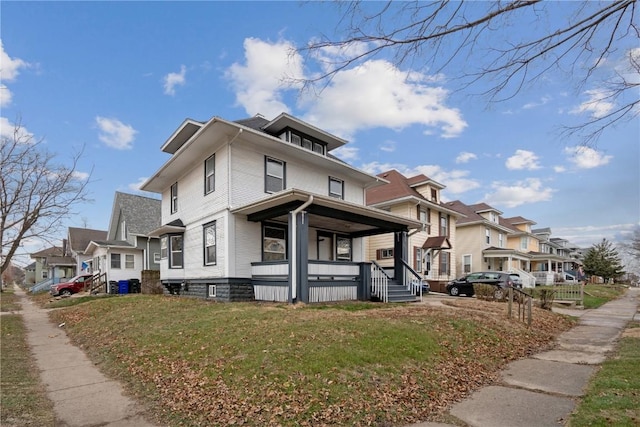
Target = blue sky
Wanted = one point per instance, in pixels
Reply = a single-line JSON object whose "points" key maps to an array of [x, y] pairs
{"points": [[117, 78]]}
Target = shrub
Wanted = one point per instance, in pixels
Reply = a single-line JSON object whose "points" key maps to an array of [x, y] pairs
{"points": [[546, 298]]}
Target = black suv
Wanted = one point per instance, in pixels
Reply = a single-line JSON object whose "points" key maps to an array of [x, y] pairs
{"points": [[500, 279]]}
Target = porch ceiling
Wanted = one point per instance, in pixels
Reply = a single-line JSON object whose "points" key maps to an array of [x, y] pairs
{"points": [[328, 213]]}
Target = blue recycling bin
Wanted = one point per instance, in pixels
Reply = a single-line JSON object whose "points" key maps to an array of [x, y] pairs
{"points": [[123, 286]]}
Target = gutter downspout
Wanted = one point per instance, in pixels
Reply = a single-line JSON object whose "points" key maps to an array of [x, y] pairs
{"points": [[228, 261], [294, 259]]}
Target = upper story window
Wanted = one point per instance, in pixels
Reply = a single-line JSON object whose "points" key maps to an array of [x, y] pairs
{"points": [[434, 195], [524, 242], [304, 141], [494, 217], [174, 198], [274, 175], [336, 187], [444, 225], [487, 234], [210, 174], [501, 240]]}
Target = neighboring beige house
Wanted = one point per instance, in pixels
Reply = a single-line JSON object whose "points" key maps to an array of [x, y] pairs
{"points": [[432, 249]]}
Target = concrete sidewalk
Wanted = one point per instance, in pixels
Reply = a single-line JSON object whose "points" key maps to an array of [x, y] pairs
{"points": [[543, 390], [82, 396]]}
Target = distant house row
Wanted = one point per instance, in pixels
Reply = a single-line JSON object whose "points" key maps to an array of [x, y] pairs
{"points": [[260, 209]]}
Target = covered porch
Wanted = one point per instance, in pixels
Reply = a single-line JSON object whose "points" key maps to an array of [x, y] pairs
{"points": [[320, 253]]}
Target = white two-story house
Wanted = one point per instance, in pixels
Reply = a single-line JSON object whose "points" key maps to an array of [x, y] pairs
{"points": [[260, 209]]}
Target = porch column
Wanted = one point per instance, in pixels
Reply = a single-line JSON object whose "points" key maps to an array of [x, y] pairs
{"points": [[400, 245], [298, 257]]}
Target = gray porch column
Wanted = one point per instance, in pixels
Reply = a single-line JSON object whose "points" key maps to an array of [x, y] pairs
{"points": [[298, 257], [400, 248]]}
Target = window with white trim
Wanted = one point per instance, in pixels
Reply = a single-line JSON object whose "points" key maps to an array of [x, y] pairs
{"points": [[487, 234], [156, 257], [417, 258], [500, 240], [212, 291], [385, 253], [274, 175], [129, 261], [210, 174], [524, 242], [466, 264], [209, 238]]}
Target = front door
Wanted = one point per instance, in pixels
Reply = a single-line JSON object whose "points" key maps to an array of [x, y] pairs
{"points": [[325, 247]]}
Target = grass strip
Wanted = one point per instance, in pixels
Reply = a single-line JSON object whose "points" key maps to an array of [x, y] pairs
{"points": [[22, 396], [613, 395]]}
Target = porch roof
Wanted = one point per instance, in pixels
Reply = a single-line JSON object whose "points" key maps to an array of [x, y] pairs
{"points": [[327, 213]]}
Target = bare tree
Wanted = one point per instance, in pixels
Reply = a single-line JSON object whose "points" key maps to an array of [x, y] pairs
{"points": [[36, 193], [479, 41]]}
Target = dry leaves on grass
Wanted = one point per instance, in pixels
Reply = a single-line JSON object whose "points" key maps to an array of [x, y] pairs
{"points": [[476, 340]]}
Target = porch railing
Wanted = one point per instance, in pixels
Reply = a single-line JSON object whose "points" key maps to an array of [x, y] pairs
{"points": [[379, 282], [412, 280]]}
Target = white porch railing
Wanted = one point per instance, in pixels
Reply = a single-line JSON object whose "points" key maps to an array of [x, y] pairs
{"points": [[412, 280], [379, 282]]}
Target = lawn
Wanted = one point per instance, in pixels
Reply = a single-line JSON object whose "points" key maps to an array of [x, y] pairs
{"points": [[613, 395], [203, 363], [23, 400]]}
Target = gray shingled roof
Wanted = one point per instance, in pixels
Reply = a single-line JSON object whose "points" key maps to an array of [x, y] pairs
{"points": [[79, 238], [142, 214]]}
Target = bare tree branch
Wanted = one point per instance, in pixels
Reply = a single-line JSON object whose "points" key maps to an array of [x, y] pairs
{"points": [[36, 194], [474, 42]]}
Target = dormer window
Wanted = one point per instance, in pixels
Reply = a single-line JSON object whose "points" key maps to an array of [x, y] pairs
{"points": [[304, 141], [434, 195]]}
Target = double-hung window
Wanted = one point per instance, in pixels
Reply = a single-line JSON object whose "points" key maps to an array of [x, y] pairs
{"points": [[336, 188], [129, 261], [343, 248], [209, 231], [444, 225], [164, 244], [115, 261], [274, 175], [210, 174], [487, 234], [444, 262], [174, 198], [466, 264], [175, 251]]}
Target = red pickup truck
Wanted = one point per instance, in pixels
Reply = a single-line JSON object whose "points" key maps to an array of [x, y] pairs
{"points": [[75, 285]]}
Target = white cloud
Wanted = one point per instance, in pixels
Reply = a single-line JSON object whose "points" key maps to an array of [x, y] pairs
{"points": [[465, 157], [388, 146], [586, 158], [346, 104], [135, 186], [115, 134], [528, 191], [545, 99], [559, 169], [597, 104], [9, 70], [401, 99], [7, 131], [523, 160], [172, 80], [259, 83], [80, 176], [346, 153]]}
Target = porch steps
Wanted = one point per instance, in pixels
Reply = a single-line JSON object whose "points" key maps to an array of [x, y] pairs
{"points": [[398, 293]]}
